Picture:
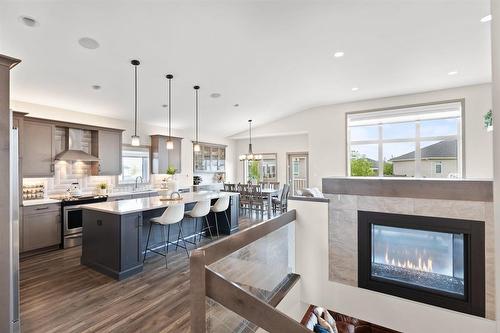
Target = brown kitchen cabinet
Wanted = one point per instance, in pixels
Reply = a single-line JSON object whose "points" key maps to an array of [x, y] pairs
{"points": [[40, 227], [161, 157], [107, 146], [38, 148]]}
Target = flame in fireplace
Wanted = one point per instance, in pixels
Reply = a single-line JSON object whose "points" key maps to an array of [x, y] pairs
{"points": [[420, 264]]}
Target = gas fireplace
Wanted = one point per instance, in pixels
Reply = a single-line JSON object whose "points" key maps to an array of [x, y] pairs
{"points": [[438, 261]]}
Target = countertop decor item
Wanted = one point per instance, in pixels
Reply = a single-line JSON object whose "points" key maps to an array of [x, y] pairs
{"points": [[196, 146], [250, 156], [33, 192], [102, 188], [170, 143], [172, 185]]}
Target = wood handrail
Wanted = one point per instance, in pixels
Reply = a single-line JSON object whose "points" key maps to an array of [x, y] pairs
{"points": [[248, 306], [225, 246], [205, 282]]}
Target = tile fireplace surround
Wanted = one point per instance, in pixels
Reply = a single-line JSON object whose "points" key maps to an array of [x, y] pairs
{"points": [[455, 199]]}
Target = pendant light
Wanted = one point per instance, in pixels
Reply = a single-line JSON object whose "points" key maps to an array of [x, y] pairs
{"points": [[196, 147], [250, 156], [170, 143], [136, 141]]}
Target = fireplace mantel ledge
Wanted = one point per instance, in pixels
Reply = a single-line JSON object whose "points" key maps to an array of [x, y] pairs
{"points": [[444, 189]]}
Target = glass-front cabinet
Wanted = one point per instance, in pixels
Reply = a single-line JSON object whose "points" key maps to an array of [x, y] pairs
{"points": [[210, 158]]}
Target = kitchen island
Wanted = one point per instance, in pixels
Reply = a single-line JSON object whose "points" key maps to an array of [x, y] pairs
{"points": [[114, 233]]}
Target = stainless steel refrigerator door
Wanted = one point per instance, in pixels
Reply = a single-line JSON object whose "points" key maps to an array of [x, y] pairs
{"points": [[14, 255]]}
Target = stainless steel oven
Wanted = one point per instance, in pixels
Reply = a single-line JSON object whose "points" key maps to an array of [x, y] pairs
{"points": [[73, 219]]}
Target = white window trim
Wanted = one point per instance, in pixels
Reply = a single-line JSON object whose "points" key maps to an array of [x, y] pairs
{"points": [[460, 137]]}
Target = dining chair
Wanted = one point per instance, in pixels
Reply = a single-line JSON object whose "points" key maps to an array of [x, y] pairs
{"points": [[281, 203]]}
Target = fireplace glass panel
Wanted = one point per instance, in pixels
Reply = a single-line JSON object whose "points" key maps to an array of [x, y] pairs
{"points": [[425, 259]]}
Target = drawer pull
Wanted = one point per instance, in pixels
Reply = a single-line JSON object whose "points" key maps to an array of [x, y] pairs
{"points": [[99, 222], [42, 208]]}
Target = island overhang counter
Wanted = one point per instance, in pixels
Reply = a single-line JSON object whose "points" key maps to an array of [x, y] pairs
{"points": [[114, 233]]}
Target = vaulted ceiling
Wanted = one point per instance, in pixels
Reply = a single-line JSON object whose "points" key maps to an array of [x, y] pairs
{"points": [[272, 58]]}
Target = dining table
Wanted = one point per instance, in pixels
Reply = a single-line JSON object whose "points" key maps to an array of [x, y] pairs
{"points": [[269, 193]]}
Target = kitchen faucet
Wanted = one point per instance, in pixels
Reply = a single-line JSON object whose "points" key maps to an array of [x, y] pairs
{"points": [[136, 179]]}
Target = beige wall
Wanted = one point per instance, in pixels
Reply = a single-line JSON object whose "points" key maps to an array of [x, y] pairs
{"points": [[325, 126], [427, 168], [144, 131]]}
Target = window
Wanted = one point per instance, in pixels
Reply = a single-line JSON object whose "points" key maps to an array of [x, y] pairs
{"points": [[265, 170], [419, 141], [135, 162]]}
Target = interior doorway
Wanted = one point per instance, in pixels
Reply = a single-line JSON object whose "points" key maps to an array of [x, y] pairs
{"points": [[297, 171]]}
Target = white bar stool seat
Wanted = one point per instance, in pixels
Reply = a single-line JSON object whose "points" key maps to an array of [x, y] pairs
{"points": [[200, 209], [172, 215], [221, 205]]}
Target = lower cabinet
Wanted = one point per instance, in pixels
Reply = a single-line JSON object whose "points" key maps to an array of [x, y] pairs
{"points": [[40, 227]]}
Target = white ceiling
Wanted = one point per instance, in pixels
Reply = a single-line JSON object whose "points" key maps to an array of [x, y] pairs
{"points": [[273, 58]]}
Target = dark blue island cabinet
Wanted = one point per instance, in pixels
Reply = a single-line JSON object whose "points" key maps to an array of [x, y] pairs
{"points": [[113, 242]]}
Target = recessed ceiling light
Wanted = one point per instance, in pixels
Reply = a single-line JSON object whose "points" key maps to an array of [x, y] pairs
{"points": [[215, 95], [354, 88], [88, 43], [485, 19], [338, 54], [96, 87], [453, 73], [29, 21], [236, 105], [164, 105]]}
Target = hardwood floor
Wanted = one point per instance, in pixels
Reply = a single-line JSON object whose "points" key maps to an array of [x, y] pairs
{"points": [[60, 295]]}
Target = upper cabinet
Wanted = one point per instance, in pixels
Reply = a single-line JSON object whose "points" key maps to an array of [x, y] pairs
{"points": [[161, 157], [38, 148], [107, 146], [210, 158]]}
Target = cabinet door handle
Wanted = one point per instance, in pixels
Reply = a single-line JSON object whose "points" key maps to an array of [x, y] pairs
{"points": [[99, 222], [52, 167], [42, 208]]}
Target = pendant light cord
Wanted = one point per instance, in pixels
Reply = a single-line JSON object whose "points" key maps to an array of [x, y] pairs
{"points": [[196, 116], [169, 107]]}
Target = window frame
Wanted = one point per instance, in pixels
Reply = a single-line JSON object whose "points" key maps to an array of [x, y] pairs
{"points": [[126, 147], [245, 166], [417, 139]]}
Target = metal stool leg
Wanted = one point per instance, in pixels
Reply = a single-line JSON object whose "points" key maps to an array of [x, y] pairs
{"points": [[228, 223], [165, 245], [168, 237], [182, 235], [216, 225], [147, 242]]}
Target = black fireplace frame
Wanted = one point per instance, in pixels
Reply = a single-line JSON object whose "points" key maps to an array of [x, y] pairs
{"points": [[473, 301]]}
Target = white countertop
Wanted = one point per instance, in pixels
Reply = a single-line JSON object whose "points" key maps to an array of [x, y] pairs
{"points": [[143, 204], [36, 202], [120, 194]]}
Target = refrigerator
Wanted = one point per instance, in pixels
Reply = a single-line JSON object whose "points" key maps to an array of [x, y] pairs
{"points": [[14, 230]]}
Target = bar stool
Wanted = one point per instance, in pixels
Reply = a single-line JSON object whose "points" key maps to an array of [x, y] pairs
{"points": [[221, 205], [200, 209], [172, 215]]}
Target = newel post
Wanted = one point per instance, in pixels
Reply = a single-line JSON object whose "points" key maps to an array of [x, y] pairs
{"points": [[198, 291]]}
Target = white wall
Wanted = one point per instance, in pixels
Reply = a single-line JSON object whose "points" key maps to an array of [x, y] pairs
{"points": [[325, 126], [144, 131], [281, 145], [311, 252], [495, 38]]}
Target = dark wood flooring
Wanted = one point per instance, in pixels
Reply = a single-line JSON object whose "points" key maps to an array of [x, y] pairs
{"points": [[60, 295]]}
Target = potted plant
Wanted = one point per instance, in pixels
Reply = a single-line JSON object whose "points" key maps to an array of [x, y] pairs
{"points": [[172, 185], [488, 121], [102, 188]]}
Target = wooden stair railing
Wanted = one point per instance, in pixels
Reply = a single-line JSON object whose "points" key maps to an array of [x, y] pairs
{"points": [[207, 283]]}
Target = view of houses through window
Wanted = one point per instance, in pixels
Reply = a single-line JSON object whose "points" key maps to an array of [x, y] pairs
{"points": [[135, 163], [422, 141]]}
